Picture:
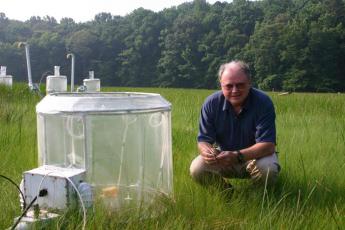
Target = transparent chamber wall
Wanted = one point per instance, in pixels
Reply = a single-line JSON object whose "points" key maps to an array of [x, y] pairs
{"points": [[126, 154]]}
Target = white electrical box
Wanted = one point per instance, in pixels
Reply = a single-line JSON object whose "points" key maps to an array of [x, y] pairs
{"points": [[61, 193]]}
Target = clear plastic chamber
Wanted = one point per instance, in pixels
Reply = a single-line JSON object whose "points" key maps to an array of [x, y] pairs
{"points": [[123, 140]]}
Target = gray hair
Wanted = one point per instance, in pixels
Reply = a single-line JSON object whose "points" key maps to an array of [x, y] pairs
{"points": [[243, 66]]}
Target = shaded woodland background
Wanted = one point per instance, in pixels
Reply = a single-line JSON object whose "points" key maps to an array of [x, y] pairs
{"points": [[291, 45]]}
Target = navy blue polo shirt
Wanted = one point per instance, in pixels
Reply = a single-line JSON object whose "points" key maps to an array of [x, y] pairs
{"points": [[255, 123]]}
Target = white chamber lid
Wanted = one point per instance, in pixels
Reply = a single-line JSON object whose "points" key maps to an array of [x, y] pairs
{"points": [[114, 102]]}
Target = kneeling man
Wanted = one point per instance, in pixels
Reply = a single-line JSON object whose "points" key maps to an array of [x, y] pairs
{"points": [[237, 133]]}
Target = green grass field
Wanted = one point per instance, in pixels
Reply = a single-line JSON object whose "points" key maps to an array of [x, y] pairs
{"points": [[310, 193]]}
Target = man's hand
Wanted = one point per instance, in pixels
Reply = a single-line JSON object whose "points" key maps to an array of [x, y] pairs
{"points": [[208, 152], [227, 158]]}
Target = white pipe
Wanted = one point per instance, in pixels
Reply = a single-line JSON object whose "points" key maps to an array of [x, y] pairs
{"points": [[72, 70], [56, 71], [27, 53]]}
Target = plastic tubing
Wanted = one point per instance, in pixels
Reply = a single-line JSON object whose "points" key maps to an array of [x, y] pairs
{"points": [[81, 201], [164, 147], [152, 122], [124, 139], [69, 127], [41, 182], [70, 124]]}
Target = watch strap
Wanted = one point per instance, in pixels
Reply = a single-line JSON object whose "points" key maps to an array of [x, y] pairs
{"points": [[240, 156]]}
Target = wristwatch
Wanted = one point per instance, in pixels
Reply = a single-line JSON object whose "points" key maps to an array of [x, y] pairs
{"points": [[240, 156]]}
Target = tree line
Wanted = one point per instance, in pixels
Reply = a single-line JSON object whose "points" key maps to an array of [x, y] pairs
{"points": [[291, 45]]}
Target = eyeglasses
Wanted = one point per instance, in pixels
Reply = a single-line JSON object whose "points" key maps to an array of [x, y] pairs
{"points": [[238, 86]]}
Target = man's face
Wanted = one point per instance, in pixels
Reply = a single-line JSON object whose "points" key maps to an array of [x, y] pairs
{"points": [[235, 85]]}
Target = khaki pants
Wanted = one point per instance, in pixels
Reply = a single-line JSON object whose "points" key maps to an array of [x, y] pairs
{"points": [[259, 170]]}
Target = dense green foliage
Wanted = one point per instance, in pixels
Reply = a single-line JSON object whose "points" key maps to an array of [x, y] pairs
{"points": [[309, 195], [295, 45]]}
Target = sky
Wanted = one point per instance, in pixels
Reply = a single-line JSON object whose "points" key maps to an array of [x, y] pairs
{"points": [[81, 10]]}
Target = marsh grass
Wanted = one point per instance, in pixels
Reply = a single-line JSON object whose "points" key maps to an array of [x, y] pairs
{"points": [[310, 193]]}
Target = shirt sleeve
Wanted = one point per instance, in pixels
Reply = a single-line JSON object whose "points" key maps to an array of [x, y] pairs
{"points": [[265, 125], [207, 131]]}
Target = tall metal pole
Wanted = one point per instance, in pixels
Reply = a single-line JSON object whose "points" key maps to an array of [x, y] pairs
{"points": [[72, 70], [28, 65]]}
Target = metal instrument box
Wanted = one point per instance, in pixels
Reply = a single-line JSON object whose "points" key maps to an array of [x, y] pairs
{"points": [[61, 193]]}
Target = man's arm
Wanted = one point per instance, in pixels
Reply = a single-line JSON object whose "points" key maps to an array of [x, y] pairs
{"points": [[255, 151], [258, 150]]}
